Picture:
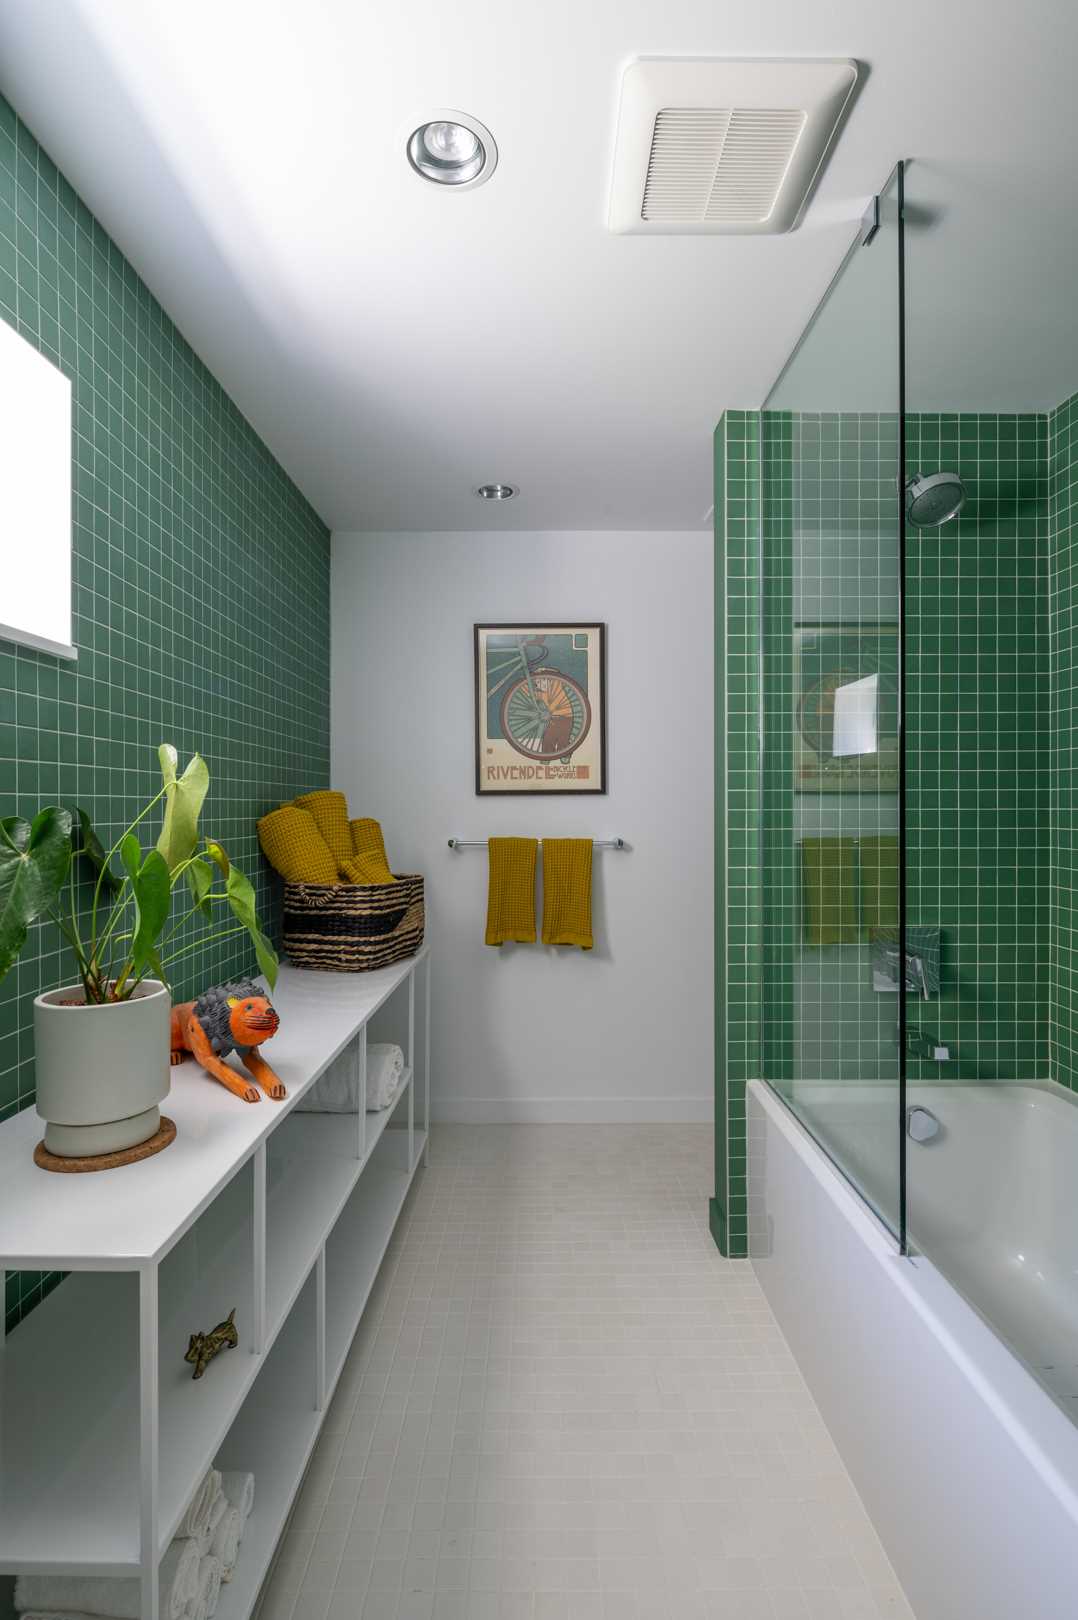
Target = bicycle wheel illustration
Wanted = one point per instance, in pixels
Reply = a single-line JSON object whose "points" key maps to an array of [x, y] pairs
{"points": [[545, 714]]}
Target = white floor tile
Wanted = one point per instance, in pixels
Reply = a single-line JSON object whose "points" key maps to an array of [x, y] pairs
{"points": [[563, 1404]]}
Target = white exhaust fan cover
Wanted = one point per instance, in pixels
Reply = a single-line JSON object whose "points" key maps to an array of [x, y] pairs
{"points": [[721, 147]]}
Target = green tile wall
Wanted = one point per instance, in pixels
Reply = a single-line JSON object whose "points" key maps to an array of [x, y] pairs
{"points": [[990, 713], [978, 761], [201, 582], [1063, 719], [737, 856], [778, 874]]}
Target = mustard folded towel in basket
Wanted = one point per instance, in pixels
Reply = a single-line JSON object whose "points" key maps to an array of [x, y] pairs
{"points": [[330, 812], [511, 894], [368, 852], [567, 892], [366, 869], [294, 846]]}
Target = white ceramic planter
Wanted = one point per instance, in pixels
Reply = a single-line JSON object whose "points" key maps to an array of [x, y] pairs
{"points": [[101, 1070]]}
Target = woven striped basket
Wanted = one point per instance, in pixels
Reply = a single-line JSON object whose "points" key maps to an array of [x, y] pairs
{"points": [[353, 927]]}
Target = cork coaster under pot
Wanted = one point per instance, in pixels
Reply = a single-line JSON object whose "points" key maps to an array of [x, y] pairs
{"points": [[107, 1161]]}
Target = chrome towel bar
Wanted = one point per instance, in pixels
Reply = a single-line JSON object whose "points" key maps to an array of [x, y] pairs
{"points": [[481, 843]]}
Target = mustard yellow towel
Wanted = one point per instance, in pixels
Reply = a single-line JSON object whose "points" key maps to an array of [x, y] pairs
{"points": [[830, 889], [295, 848], [369, 848], [511, 895], [879, 881], [567, 892], [330, 812], [366, 869]]}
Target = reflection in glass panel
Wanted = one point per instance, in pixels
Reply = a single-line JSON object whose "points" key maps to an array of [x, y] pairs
{"points": [[830, 757]]}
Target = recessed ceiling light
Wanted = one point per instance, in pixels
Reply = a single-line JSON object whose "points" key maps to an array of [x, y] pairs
{"points": [[496, 492], [452, 149]]}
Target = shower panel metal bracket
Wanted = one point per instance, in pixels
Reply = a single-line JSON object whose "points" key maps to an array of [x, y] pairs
{"points": [[870, 221]]}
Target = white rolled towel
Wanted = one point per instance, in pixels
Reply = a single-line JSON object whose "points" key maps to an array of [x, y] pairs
{"points": [[116, 1596], [209, 1578], [217, 1513], [226, 1542], [179, 1577], [239, 1489], [385, 1066], [336, 1091], [197, 1517], [204, 1604]]}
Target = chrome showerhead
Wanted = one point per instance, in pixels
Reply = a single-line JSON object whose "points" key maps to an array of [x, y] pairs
{"points": [[933, 498]]}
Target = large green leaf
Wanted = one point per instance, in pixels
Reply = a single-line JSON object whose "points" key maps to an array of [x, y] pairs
{"points": [[34, 861], [86, 840], [152, 887], [184, 798], [200, 881], [267, 956], [241, 897], [131, 854]]}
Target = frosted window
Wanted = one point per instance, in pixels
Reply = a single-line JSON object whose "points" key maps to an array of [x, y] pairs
{"points": [[35, 498]]}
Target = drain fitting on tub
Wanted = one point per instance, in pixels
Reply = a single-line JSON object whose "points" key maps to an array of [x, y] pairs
{"points": [[921, 1124]]}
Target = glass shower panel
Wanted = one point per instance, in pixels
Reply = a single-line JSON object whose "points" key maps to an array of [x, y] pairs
{"points": [[831, 433], [991, 592]]}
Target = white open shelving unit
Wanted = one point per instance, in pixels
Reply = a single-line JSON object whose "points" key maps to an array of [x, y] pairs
{"points": [[104, 1435]]}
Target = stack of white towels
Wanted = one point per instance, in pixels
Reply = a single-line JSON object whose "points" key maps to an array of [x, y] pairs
{"points": [[203, 1555]]}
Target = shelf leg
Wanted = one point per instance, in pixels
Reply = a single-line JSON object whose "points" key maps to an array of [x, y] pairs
{"points": [[148, 1441], [259, 1257], [361, 1093], [426, 1062], [320, 1330]]}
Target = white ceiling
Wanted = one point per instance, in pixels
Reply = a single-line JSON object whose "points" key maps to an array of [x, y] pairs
{"points": [[396, 345]]}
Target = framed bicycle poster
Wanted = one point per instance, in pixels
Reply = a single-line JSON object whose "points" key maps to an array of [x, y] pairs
{"points": [[540, 708]]}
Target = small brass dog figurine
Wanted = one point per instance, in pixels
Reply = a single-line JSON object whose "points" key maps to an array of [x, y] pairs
{"points": [[204, 1346], [229, 1018]]}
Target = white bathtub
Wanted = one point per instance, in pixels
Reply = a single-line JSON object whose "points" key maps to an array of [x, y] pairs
{"points": [[964, 1456], [1007, 1239]]}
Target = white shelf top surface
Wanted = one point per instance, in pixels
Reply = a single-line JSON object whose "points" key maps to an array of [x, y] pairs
{"points": [[118, 1220]]}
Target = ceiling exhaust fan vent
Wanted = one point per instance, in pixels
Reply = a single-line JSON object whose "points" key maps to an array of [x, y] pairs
{"points": [[722, 146], [720, 165]]}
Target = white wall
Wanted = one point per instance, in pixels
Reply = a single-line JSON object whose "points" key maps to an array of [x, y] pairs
{"points": [[528, 1032]]}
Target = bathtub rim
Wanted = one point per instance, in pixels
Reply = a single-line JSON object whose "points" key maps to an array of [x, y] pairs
{"points": [[1036, 1425]]}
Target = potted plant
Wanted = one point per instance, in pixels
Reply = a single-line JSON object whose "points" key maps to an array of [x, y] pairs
{"points": [[102, 1045]]}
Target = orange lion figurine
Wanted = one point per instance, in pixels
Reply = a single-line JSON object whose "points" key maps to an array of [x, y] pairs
{"points": [[229, 1018]]}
